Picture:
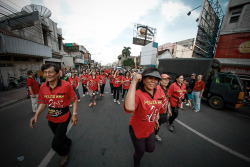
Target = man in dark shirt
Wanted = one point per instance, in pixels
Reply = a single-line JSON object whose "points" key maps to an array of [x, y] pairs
{"points": [[190, 88]]}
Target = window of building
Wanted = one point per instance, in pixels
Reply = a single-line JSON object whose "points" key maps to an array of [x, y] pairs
{"points": [[21, 59], [59, 42], [235, 16], [5, 58], [234, 19], [45, 38]]}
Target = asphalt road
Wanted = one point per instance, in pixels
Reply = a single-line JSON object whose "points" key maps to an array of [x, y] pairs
{"points": [[101, 138]]}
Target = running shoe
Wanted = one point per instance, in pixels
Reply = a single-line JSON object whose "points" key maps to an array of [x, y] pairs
{"points": [[187, 104], [64, 160], [171, 128], [118, 102], [114, 100], [94, 103], [90, 104], [157, 138], [79, 100], [83, 95], [112, 94], [70, 105], [122, 99]]}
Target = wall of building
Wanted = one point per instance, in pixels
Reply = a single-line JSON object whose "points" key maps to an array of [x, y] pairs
{"points": [[17, 66], [182, 52], [237, 17]]}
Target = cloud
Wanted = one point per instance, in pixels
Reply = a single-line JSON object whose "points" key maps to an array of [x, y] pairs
{"points": [[225, 5], [173, 10], [105, 27]]}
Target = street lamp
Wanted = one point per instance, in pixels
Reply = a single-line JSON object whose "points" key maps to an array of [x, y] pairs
{"points": [[189, 13]]}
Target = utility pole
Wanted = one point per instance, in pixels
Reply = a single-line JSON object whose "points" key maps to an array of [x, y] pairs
{"points": [[146, 35]]}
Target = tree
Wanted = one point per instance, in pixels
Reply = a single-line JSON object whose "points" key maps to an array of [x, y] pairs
{"points": [[128, 63], [126, 51]]}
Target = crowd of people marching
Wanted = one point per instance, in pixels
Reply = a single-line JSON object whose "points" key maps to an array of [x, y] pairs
{"points": [[149, 96]]}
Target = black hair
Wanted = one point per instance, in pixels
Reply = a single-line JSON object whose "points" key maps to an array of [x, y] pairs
{"points": [[29, 72], [126, 73], [140, 84], [48, 65], [178, 76]]}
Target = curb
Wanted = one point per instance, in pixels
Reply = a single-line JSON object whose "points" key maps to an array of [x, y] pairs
{"points": [[11, 103]]}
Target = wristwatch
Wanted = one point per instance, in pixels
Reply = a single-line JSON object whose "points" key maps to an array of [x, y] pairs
{"points": [[74, 113]]}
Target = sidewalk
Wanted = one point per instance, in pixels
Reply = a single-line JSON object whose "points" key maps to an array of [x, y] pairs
{"points": [[11, 96]]}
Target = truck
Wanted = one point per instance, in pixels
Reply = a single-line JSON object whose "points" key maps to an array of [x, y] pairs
{"points": [[221, 88]]}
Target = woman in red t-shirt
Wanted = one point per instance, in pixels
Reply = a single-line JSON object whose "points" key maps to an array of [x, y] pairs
{"points": [[93, 86], [75, 82], [163, 87], [84, 78], [176, 93], [116, 84], [102, 79], [144, 101], [111, 79], [125, 83]]}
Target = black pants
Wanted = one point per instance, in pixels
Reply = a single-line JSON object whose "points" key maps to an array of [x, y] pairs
{"points": [[141, 145], [120, 88], [163, 118], [60, 143], [124, 92], [116, 93], [174, 115], [84, 88], [111, 88], [102, 88]]}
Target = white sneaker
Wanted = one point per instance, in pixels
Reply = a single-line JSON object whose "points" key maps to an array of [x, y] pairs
{"points": [[122, 99], [111, 94], [70, 105], [157, 138], [118, 102], [79, 100], [187, 104], [114, 100], [83, 95]]}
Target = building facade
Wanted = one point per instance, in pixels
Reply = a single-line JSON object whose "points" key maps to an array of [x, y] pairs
{"points": [[27, 40], [233, 50]]}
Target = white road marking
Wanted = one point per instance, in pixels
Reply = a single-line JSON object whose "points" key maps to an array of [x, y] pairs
{"points": [[51, 153], [214, 142]]}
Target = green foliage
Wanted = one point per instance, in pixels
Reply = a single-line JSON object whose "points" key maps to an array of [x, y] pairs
{"points": [[126, 51], [128, 63]]}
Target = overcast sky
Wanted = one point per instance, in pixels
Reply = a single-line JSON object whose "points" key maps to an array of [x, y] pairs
{"points": [[104, 27]]}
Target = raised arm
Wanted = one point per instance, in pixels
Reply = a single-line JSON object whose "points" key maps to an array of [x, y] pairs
{"points": [[130, 98]]}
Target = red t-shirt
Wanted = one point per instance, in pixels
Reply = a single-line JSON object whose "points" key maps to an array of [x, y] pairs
{"points": [[56, 99], [106, 72], [175, 92], [84, 78], [74, 81], [117, 81], [102, 78], [126, 82], [111, 79], [165, 100], [145, 113], [34, 85], [199, 86], [93, 83]]}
